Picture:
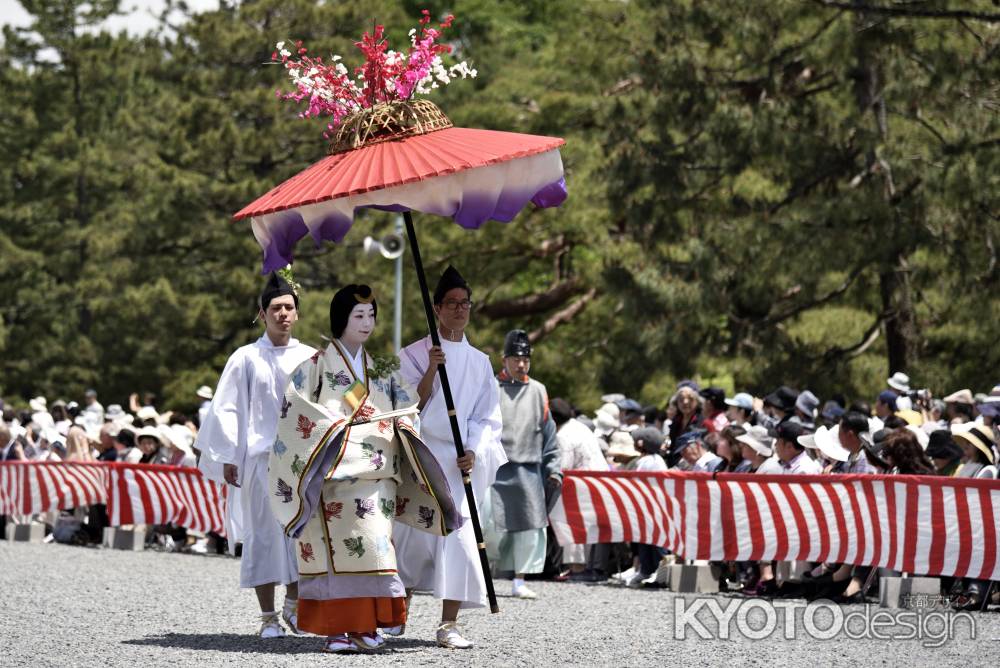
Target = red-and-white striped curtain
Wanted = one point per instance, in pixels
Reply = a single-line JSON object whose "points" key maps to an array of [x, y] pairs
{"points": [[134, 493], [915, 524]]}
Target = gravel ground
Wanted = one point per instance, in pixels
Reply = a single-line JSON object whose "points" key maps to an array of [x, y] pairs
{"points": [[72, 606]]}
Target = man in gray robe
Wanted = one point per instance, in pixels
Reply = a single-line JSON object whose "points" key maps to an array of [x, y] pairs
{"points": [[518, 498]]}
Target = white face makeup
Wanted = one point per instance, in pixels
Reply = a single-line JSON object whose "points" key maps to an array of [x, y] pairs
{"points": [[360, 325]]}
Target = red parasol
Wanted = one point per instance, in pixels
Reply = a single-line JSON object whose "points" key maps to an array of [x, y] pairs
{"points": [[402, 155]]}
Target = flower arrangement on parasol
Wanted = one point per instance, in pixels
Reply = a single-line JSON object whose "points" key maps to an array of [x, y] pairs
{"points": [[393, 152], [378, 103]]}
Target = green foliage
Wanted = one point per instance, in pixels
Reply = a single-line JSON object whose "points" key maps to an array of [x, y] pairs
{"points": [[759, 193]]}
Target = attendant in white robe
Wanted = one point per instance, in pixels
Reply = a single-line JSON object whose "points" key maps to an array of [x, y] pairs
{"points": [[450, 566], [235, 441]]}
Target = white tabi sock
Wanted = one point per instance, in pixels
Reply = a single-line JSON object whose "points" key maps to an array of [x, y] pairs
{"points": [[518, 583], [290, 604]]}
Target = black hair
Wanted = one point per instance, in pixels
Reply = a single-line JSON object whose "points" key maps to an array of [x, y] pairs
{"points": [[126, 437], [861, 407], [561, 411], [854, 421], [894, 422], [344, 302]]}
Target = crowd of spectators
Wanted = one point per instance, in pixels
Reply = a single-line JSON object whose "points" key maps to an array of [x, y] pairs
{"points": [[89, 432], [904, 432]]}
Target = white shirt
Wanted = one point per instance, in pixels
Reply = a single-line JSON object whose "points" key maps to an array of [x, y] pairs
{"points": [[706, 462], [802, 463], [771, 465], [650, 463], [579, 448]]}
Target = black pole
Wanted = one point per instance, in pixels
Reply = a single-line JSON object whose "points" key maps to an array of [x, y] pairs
{"points": [[450, 403]]}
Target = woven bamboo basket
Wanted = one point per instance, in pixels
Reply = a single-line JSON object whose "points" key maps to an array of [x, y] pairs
{"points": [[388, 121]]}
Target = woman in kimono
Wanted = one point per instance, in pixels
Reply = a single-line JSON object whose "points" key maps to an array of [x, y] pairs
{"points": [[347, 462]]}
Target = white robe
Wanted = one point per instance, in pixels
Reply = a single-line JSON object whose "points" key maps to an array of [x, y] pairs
{"points": [[449, 566], [240, 428]]}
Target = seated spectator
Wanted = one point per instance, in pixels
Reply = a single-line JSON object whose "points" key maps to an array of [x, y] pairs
{"points": [[740, 409], [655, 418], [60, 417], [805, 410], [687, 403], [648, 441], [779, 406], [714, 409], [731, 450], [10, 449], [758, 448], [148, 443], [106, 445], [630, 411], [831, 414], [825, 443], [902, 452], [977, 446], [791, 453], [944, 453], [126, 447], [959, 407], [885, 404], [50, 447], [177, 440], [622, 452], [691, 448], [78, 445], [853, 436]]}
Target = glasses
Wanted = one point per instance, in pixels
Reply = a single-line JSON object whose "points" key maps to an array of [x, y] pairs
{"points": [[465, 304]]}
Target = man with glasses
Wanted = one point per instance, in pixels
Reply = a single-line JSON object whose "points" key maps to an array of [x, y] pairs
{"points": [[449, 566]]}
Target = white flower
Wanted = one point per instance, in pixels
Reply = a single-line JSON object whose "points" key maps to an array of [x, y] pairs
{"points": [[279, 46]]}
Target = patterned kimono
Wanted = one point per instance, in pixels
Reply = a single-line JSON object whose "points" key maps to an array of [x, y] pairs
{"points": [[338, 487]]}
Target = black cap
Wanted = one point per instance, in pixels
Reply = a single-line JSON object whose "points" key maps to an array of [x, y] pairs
{"points": [[517, 344], [344, 302], [790, 431], [449, 280], [940, 445], [276, 286], [716, 395], [783, 398]]}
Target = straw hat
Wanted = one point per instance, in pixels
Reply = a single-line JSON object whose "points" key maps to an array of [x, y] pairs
{"points": [[911, 416], [38, 405], [981, 438], [204, 392], [622, 445], [147, 413]]}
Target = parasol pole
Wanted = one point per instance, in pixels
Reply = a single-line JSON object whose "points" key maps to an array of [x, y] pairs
{"points": [[450, 403]]}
